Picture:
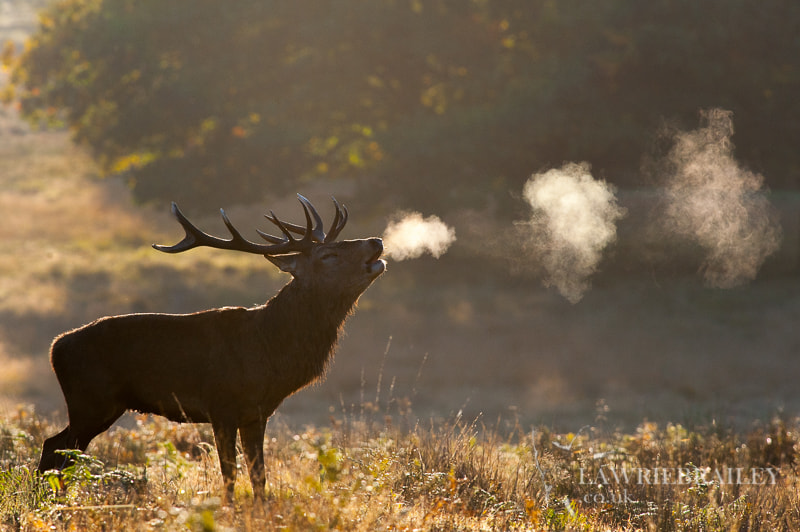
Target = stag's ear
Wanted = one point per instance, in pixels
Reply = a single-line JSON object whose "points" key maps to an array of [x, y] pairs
{"points": [[287, 263]]}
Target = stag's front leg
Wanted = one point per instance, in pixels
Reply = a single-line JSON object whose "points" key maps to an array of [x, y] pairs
{"points": [[253, 442], [225, 438]]}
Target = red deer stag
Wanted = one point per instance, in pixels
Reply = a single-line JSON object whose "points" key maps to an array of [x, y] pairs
{"points": [[230, 367]]}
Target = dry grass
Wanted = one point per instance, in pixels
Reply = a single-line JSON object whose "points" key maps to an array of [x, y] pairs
{"points": [[363, 474]]}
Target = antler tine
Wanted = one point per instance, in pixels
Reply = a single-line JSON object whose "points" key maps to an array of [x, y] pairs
{"points": [[338, 221], [282, 226], [318, 233], [237, 238], [270, 238], [286, 227], [308, 235], [296, 229], [336, 218], [193, 236]]}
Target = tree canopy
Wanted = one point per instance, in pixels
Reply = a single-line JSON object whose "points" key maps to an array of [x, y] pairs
{"points": [[217, 102]]}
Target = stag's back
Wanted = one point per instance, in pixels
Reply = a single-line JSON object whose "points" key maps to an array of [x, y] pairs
{"points": [[180, 366]]}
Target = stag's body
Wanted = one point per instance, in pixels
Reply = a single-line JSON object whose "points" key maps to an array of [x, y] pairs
{"points": [[230, 367]]}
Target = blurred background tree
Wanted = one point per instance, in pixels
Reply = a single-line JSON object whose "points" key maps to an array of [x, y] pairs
{"points": [[211, 102]]}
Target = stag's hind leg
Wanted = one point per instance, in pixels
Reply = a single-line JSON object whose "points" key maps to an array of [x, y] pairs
{"points": [[89, 418], [84, 425], [49, 458]]}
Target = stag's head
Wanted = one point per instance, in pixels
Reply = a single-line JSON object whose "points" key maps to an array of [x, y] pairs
{"points": [[314, 259]]}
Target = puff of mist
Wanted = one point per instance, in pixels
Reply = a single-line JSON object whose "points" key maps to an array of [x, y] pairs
{"points": [[573, 220], [718, 204], [410, 235]]}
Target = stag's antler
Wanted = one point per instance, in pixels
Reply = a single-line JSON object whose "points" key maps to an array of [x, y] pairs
{"points": [[311, 233], [339, 220]]}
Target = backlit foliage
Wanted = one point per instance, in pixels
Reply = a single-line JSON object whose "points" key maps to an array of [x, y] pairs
{"points": [[220, 101]]}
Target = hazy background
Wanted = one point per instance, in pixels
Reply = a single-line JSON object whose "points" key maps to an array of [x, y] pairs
{"points": [[589, 210]]}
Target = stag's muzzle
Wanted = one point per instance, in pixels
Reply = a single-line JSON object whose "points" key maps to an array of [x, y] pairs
{"points": [[376, 265]]}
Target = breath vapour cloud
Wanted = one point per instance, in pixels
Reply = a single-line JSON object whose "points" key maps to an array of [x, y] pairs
{"points": [[573, 220], [410, 235], [718, 204]]}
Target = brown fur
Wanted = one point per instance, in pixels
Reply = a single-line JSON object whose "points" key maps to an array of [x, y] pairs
{"points": [[230, 367]]}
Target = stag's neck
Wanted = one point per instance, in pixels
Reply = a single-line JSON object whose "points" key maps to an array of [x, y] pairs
{"points": [[300, 328]]}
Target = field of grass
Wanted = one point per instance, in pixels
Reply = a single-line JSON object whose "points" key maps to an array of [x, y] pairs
{"points": [[374, 472]]}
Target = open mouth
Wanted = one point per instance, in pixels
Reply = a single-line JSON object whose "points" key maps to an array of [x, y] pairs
{"points": [[375, 264]]}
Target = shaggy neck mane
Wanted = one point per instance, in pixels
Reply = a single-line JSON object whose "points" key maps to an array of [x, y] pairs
{"points": [[304, 326]]}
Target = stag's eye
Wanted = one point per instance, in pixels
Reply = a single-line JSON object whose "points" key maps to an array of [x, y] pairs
{"points": [[329, 256]]}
